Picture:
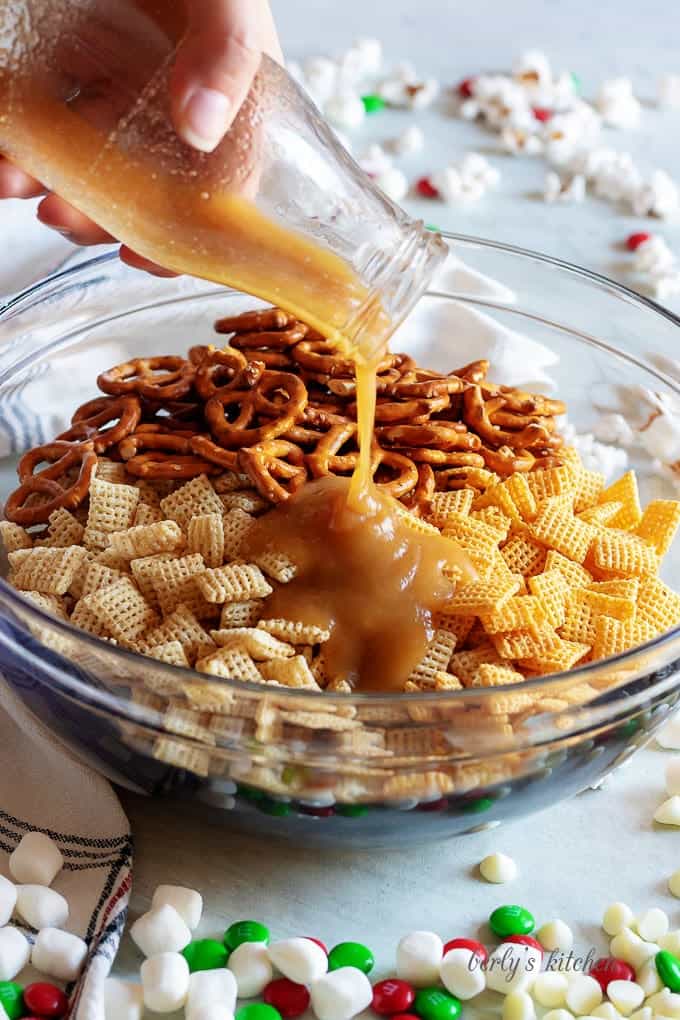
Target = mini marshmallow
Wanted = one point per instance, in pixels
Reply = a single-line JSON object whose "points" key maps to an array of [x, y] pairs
{"points": [[160, 930], [584, 994], [394, 183], [410, 141], [15, 952], [462, 973], [370, 51], [165, 982], [321, 78], [666, 286], [550, 989], [213, 1011], [122, 1000], [648, 977], [653, 255], [419, 957], [341, 994], [617, 105], [498, 868], [59, 954], [37, 860], [300, 960], [8, 899], [558, 1014], [252, 968], [187, 902], [345, 110], [652, 925], [627, 996], [613, 428], [512, 967], [659, 197], [41, 907], [556, 935], [518, 1006], [208, 986], [669, 812], [661, 438], [375, 160], [570, 189], [668, 91], [532, 67], [421, 94]]}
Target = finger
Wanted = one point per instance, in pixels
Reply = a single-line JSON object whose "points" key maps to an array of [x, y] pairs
{"points": [[14, 183], [54, 212], [215, 67], [131, 258]]}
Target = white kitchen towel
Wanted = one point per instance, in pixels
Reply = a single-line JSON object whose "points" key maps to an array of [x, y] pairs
{"points": [[44, 787]]}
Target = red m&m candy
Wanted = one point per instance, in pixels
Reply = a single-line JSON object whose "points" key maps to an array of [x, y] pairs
{"points": [[633, 241], [320, 944], [405, 1016], [392, 996], [290, 999], [475, 947], [45, 1000], [542, 114], [465, 88], [426, 188], [609, 968], [525, 940]]}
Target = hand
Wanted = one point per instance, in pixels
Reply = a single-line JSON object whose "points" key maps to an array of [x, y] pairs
{"points": [[214, 69]]}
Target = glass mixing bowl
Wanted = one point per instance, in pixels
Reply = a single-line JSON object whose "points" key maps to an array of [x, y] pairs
{"points": [[360, 770]]}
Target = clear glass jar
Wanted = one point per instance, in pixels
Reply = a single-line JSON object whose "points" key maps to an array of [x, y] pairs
{"points": [[279, 209]]}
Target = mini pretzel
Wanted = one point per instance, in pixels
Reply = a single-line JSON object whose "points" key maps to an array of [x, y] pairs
{"points": [[443, 458], [421, 383], [420, 498], [237, 433], [435, 435], [505, 461], [163, 466], [204, 447], [408, 410], [326, 458], [526, 403], [88, 420], [167, 377], [62, 457], [280, 340], [276, 468], [323, 357], [384, 383], [258, 320], [475, 372], [406, 472], [220, 369], [155, 437], [477, 418]]}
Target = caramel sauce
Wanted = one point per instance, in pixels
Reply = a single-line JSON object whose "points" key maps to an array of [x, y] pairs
{"points": [[361, 571]]}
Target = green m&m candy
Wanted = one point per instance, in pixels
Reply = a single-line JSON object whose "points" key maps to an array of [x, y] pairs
{"points": [[257, 1011], [511, 920], [351, 810], [373, 104], [245, 931], [205, 954], [668, 969], [12, 999], [351, 954], [435, 1004]]}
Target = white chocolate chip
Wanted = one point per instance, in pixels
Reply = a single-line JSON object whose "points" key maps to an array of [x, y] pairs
{"points": [[671, 942], [673, 777], [583, 994], [669, 812], [498, 868], [665, 1003], [668, 736], [512, 967], [550, 989], [558, 1014], [617, 917], [648, 978], [518, 1006], [606, 1012], [643, 1014], [627, 996], [652, 925], [556, 936]]}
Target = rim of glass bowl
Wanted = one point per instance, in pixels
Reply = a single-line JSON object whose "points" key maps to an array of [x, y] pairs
{"points": [[582, 674]]}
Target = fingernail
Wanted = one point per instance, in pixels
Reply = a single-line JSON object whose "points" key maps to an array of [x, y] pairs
{"points": [[205, 117], [64, 231]]}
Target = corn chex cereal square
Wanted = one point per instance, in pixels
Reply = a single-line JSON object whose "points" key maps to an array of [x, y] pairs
{"points": [[659, 524], [112, 506], [257, 643], [574, 574], [522, 494], [444, 503], [480, 597], [176, 580], [524, 556], [293, 672], [589, 487], [491, 675], [147, 540], [624, 490], [111, 471], [63, 530], [49, 603], [519, 613], [602, 514], [495, 518], [185, 722], [86, 617], [622, 554], [657, 604], [459, 626], [499, 497], [213, 697], [98, 576], [295, 632], [552, 590], [236, 525], [182, 756], [236, 582], [205, 535], [562, 657], [545, 483], [232, 664], [416, 524], [124, 610], [14, 537], [230, 481], [182, 626], [525, 644], [436, 658], [579, 623], [142, 571], [50, 571], [466, 664], [248, 499], [191, 500], [241, 614], [276, 565], [477, 539], [601, 603], [560, 530], [145, 514]]}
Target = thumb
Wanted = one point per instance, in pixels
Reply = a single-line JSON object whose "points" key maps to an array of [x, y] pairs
{"points": [[214, 69]]}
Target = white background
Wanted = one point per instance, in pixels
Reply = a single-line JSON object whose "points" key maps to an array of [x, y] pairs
{"points": [[602, 845]]}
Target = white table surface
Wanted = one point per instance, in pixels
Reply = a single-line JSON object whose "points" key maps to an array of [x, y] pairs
{"points": [[603, 845]]}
